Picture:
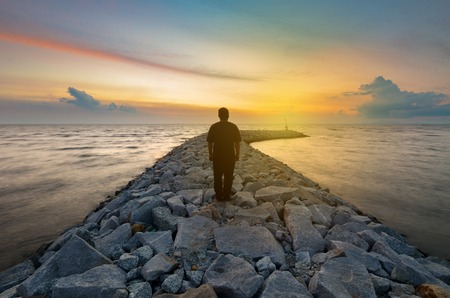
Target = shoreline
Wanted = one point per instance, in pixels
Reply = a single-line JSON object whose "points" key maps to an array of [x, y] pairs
{"points": [[301, 235]]}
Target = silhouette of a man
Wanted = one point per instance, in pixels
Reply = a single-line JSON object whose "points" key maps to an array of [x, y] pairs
{"points": [[224, 148]]}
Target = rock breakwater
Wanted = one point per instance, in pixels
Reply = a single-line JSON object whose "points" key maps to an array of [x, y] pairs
{"points": [[165, 236]]}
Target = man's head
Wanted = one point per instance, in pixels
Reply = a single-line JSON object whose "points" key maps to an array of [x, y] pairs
{"points": [[224, 114]]}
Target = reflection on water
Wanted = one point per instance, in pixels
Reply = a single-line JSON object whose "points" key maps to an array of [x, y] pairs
{"points": [[400, 174]]}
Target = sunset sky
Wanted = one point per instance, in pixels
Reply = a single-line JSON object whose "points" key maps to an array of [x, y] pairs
{"points": [[166, 61]]}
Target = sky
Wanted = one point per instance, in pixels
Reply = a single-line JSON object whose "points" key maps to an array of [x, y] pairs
{"points": [[177, 61]]}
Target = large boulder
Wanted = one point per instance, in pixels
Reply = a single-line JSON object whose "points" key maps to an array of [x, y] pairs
{"points": [[160, 242], [284, 284], [195, 233], [99, 282], [15, 275], [272, 193], [249, 241], [342, 277], [75, 257], [304, 235], [231, 276], [107, 244], [156, 266]]}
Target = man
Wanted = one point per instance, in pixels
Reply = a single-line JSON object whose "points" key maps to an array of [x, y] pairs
{"points": [[224, 148]]}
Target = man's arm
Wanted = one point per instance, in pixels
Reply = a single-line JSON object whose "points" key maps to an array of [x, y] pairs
{"points": [[210, 150], [237, 148]]}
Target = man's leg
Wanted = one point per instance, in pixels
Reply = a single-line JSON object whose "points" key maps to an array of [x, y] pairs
{"points": [[218, 172], [228, 179]]}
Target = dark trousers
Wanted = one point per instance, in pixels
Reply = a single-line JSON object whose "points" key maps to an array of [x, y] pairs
{"points": [[225, 169]]}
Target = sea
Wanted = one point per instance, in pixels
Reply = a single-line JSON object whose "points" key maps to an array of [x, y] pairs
{"points": [[52, 176]]}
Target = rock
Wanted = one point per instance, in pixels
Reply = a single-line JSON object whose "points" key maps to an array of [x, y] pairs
{"points": [[172, 283], [341, 215], [271, 193], [401, 247], [381, 285], [134, 242], [144, 254], [75, 257], [380, 228], [411, 272], [164, 220], [15, 275], [321, 214], [160, 242], [128, 262], [144, 213], [105, 244], [102, 281], [253, 187], [110, 224], [302, 260], [158, 265], [245, 199], [342, 277], [176, 205], [195, 233], [283, 284], [251, 242], [194, 196], [305, 237], [204, 291], [401, 290], [140, 290], [432, 291], [258, 214], [437, 269], [231, 276], [265, 266], [338, 233], [361, 256]]}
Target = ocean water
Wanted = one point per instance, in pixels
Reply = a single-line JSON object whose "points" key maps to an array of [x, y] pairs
{"points": [[52, 176], [399, 174]]}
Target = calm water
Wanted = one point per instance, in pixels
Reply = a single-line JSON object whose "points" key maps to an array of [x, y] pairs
{"points": [[399, 174], [51, 177]]}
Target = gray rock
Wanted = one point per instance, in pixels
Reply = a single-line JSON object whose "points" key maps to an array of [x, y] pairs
{"points": [[194, 196], [305, 237], [271, 193], [265, 266], [341, 215], [253, 187], [191, 209], [338, 233], [134, 274], [269, 207], [144, 254], [134, 242], [144, 214], [342, 277], [160, 242], [140, 290], [158, 265], [284, 284], [371, 263], [302, 260], [412, 272], [102, 281], [245, 199], [105, 244], [231, 276], [15, 275], [195, 233], [437, 269], [97, 216], [381, 285], [321, 214], [177, 206], [164, 220], [128, 262], [401, 247], [110, 224], [371, 237], [257, 213], [172, 283], [355, 227], [380, 228], [250, 242], [75, 257]]}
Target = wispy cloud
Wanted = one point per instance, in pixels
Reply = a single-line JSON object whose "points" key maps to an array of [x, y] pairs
{"points": [[389, 101], [83, 100], [113, 56]]}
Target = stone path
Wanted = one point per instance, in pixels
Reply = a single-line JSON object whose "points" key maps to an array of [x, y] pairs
{"points": [[280, 236]]}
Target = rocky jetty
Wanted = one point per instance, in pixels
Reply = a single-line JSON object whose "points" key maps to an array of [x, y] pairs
{"points": [[282, 235]]}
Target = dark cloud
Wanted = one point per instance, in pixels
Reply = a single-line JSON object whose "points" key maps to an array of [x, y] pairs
{"points": [[86, 101], [388, 101]]}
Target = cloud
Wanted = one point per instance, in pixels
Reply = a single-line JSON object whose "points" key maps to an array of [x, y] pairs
{"points": [[86, 101], [388, 101]]}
